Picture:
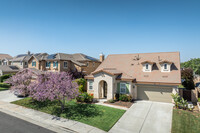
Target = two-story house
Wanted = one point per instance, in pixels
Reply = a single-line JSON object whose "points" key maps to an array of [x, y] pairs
{"points": [[5, 59], [64, 62], [145, 76], [21, 61]]}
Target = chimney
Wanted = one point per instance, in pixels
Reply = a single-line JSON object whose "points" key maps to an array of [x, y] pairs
{"points": [[29, 53], [101, 57]]}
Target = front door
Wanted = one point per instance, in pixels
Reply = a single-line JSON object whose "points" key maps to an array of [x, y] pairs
{"points": [[105, 89]]}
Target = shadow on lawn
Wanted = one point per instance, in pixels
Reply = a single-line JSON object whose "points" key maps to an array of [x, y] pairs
{"points": [[78, 111], [73, 110]]}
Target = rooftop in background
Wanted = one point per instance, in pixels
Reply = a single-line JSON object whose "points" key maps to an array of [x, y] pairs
{"points": [[7, 56], [6, 68]]}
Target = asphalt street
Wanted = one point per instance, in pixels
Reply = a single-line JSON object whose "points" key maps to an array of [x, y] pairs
{"points": [[10, 124]]}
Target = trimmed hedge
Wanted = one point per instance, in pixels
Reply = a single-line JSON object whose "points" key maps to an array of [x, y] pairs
{"points": [[4, 77], [4, 85]]}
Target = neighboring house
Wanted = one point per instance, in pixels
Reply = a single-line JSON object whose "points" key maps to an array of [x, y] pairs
{"points": [[145, 76], [8, 69], [64, 62], [21, 60], [5, 59]]}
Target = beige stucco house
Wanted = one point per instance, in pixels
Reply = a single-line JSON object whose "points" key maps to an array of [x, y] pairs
{"points": [[64, 62], [145, 76], [5, 59]]}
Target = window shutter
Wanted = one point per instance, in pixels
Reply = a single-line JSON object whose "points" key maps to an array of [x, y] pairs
{"points": [[127, 88], [56, 64]]}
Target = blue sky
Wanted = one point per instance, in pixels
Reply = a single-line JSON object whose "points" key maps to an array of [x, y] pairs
{"points": [[96, 26]]}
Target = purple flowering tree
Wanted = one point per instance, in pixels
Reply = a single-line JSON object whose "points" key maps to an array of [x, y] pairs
{"points": [[54, 86], [20, 81]]}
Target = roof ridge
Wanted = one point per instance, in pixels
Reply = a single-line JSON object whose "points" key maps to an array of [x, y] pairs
{"points": [[146, 53]]}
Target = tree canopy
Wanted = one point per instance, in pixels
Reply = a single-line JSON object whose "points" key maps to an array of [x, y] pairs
{"points": [[194, 64]]}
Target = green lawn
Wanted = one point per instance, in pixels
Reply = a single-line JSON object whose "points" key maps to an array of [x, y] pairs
{"points": [[95, 115], [3, 89], [185, 122]]}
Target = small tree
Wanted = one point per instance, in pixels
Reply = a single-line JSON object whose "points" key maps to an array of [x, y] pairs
{"points": [[54, 86], [81, 82], [187, 76], [20, 81]]}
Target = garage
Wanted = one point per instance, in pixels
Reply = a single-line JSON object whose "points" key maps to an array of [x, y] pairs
{"points": [[154, 93]]}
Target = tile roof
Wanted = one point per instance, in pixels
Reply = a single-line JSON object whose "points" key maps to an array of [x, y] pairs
{"points": [[131, 67], [75, 58], [7, 56], [6, 68]]}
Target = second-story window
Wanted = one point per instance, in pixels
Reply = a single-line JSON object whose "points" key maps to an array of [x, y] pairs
{"points": [[147, 66], [55, 64], [65, 64], [48, 64], [33, 63], [165, 66]]}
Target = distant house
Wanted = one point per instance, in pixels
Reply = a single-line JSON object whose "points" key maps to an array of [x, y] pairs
{"points": [[144, 76], [21, 60], [64, 62], [8, 69], [5, 59]]}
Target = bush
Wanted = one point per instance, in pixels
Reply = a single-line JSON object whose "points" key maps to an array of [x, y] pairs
{"points": [[117, 96], [85, 97], [4, 85], [81, 82], [111, 101], [4, 77], [124, 98]]}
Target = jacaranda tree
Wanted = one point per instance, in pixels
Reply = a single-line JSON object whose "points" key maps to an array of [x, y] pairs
{"points": [[20, 81], [54, 86]]}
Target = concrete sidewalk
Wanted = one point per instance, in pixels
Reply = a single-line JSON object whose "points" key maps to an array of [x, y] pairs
{"points": [[48, 121], [145, 117], [8, 96]]}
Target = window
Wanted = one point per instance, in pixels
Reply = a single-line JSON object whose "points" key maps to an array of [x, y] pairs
{"points": [[25, 63], [65, 64], [147, 66], [34, 63], [165, 66], [122, 88], [90, 85], [55, 64], [48, 64], [93, 64]]}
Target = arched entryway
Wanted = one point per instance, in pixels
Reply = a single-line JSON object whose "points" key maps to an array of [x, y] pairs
{"points": [[103, 89]]}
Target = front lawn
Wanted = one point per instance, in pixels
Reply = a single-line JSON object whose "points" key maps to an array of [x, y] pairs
{"points": [[95, 115], [185, 122]]}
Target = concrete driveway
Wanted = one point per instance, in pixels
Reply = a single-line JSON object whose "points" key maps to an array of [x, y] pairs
{"points": [[7, 96], [145, 117]]}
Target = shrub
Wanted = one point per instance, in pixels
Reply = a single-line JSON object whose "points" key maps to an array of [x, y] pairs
{"points": [[117, 96], [176, 99], [81, 83], [111, 101], [4, 85], [85, 97], [123, 97], [4, 77]]}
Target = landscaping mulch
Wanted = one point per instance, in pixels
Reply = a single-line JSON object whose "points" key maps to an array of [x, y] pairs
{"points": [[121, 103]]}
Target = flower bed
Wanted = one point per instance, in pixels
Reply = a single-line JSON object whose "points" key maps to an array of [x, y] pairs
{"points": [[120, 103]]}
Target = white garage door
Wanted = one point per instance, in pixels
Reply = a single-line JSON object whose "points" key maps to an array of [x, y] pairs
{"points": [[160, 94]]}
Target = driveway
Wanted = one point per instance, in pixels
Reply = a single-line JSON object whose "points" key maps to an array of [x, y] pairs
{"points": [[7, 96], [145, 117]]}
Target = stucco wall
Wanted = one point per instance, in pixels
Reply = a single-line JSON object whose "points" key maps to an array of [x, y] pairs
{"points": [[109, 79]]}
